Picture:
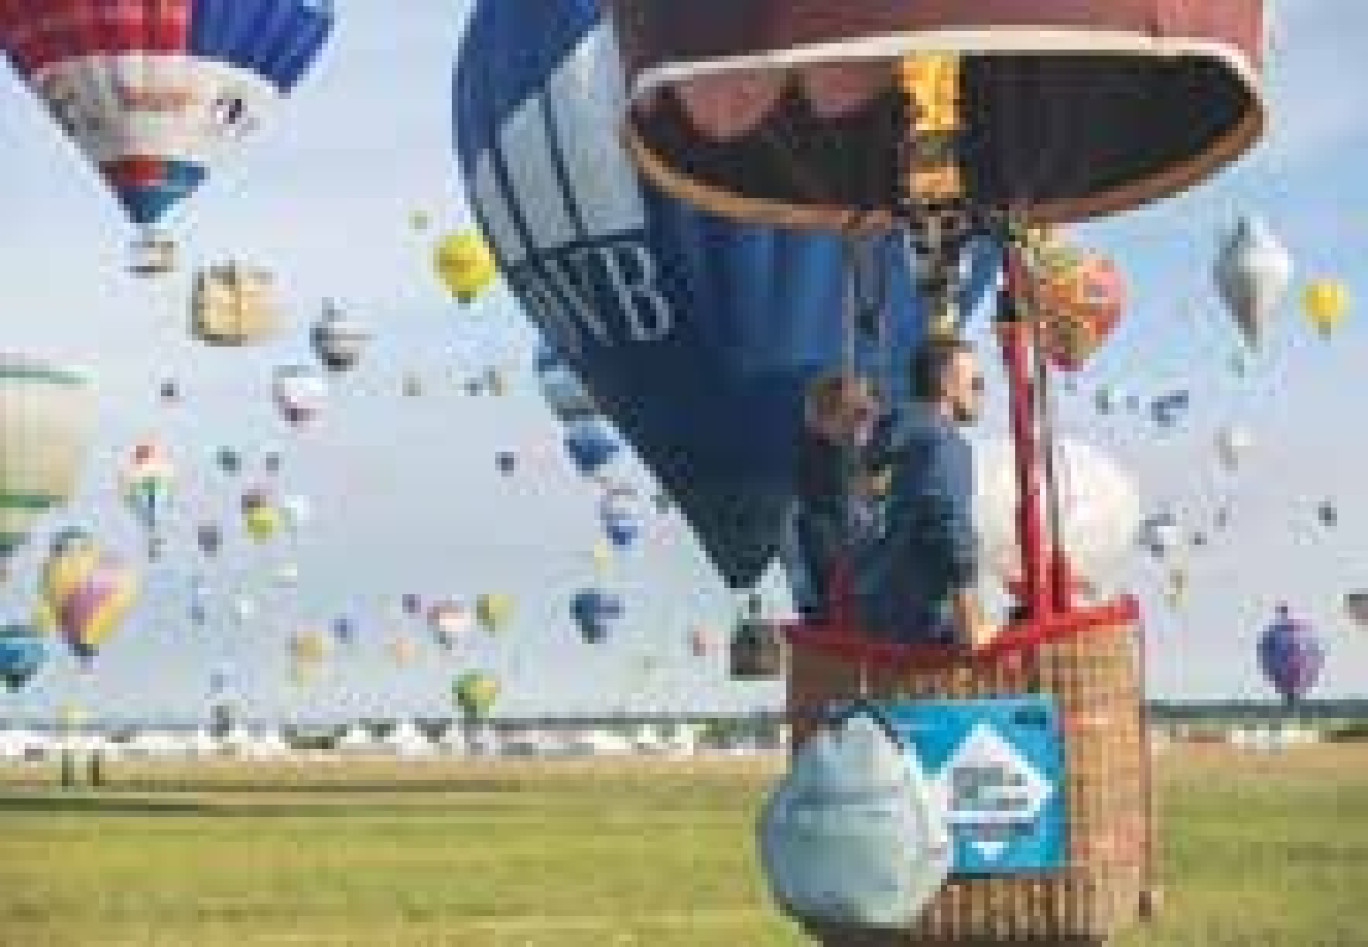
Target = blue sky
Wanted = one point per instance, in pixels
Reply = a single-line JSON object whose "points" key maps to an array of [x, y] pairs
{"points": [[405, 492]]}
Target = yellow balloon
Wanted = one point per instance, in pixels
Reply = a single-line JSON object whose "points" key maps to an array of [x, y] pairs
{"points": [[71, 715], [63, 572], [263, 522], [1326, 302], [309, 647], [465, 264], [603, 556], [494, 610]]}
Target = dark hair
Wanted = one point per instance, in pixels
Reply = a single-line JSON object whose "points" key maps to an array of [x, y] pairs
{"points": [[929, 364]]}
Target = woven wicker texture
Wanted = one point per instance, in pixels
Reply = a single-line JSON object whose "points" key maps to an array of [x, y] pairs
{"points": [[1096, 681]]}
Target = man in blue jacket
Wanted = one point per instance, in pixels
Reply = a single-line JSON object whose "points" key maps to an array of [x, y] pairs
{"points": [[916, 583]]}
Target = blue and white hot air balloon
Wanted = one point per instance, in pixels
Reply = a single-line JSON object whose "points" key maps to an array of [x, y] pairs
{"points": [[595, 612], [152, 93], [694, 336]]}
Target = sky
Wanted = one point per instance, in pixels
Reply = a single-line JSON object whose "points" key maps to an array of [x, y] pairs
{"points": [[405, 491]]}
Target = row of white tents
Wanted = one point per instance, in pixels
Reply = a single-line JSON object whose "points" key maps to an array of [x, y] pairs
{"points": [[404, 739]]}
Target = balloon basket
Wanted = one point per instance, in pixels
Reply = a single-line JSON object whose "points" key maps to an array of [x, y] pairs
{"points": [[152, 255], [1091, 663]]}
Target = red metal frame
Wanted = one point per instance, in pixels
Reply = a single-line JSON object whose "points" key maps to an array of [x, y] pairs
{"points": [[1045, 590]]}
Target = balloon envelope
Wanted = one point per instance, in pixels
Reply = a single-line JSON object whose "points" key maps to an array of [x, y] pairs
{"points": [[694, 336], [799, 112], [494, 610], [1099, 505], [464, 264], [1253, 272], [595, 612], [1291, 656], [1326, 302], [46, 416], [338, 340], [300, 392], [192, 79], [475, 693], [22, 654]]}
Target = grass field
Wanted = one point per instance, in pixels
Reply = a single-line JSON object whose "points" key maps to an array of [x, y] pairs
{"points": [[1259, 850]]}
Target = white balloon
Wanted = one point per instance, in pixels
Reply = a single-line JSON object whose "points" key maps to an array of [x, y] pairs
{"points": [[1099, 505], [1232, 443], [1253, 273]]}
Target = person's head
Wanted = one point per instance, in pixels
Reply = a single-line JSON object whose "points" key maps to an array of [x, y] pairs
{"points": [[945, 374], [841, 406]]}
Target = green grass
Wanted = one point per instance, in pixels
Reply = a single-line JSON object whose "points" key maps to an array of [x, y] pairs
{"points": [[1258, 851]]}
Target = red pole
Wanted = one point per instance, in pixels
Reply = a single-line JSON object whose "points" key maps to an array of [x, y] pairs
{"points": [[1016, 354]]}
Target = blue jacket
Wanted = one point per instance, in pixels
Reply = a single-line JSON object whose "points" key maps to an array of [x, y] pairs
{"points": [[927, 549]]}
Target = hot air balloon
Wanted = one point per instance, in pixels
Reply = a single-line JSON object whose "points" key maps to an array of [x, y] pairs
{"points": [[228, 460], [1232, 443], [450, 621], [465, 265], [1356, 604], [272, 462], [1170, 409], [412, 603], [756, 108], [344, 629], [337, 339], [1325, 302], [87, 593], [1160, 533], [1253, 273], [401, 650], [1105, 399], [261, 517], [1099, 505], [1076, 296], [149, 94], [1327, 513], [494, 610], [148, 478], [1291, 656], [507, 462], [595, 612], [591, 445], [300, 392], [46, 416], [22, 654], [309, 645], [244, 609], [695, 335], [495, 382], [412, 386], [199, 600], [296, 512], [287, 574], [169, 392], [475, 693], [234, 304], [420, 220], [209, 538], [561, 389], [700, 642], [620, 512]]}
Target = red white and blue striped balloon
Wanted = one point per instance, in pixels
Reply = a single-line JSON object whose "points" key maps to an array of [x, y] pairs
{"points": [[152, 91]]}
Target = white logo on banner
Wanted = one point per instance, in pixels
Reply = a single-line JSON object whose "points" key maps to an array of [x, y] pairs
{"points": [[988, 788]]}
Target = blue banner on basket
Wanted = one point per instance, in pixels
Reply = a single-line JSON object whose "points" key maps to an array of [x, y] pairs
{"points": [[998, 766]]}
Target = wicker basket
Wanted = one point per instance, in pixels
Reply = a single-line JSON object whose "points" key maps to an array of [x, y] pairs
{"points": [[1096, 679]]}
